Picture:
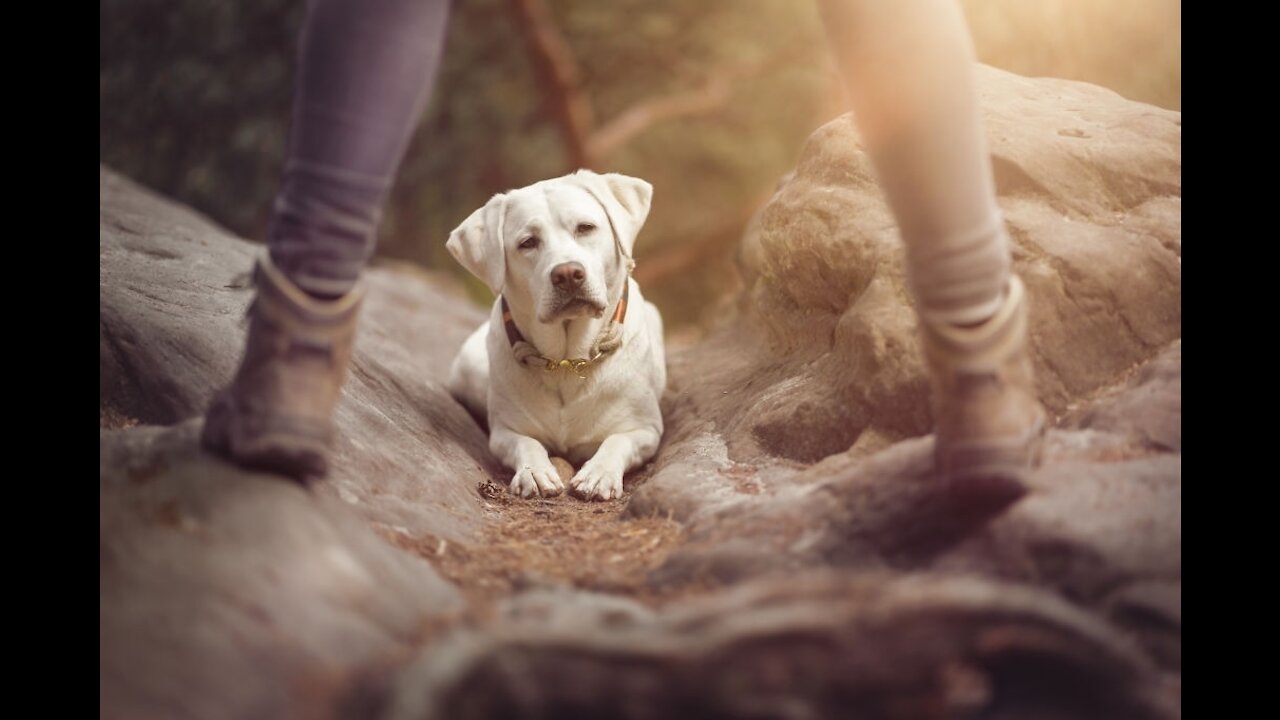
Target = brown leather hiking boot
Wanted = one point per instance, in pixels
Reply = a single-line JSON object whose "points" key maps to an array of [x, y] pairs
{"points": [[277, 414], [988, 421]]}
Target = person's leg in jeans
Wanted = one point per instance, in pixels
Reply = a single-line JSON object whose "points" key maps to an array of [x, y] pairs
{"points": [[909, 68], [365, 73]]}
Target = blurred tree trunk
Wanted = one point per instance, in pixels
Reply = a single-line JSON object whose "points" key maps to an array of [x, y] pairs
{"points": [[557, 69]]}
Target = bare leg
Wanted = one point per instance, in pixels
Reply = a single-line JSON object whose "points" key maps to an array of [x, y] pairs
{"points": [[909, 67]]}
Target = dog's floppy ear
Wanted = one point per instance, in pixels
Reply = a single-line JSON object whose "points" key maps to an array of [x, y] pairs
{"points": [[625, 199], [477, 243]]}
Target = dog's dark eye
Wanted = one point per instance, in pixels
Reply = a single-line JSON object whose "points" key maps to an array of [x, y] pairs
{"points": [[530, 242], [584, 228]]}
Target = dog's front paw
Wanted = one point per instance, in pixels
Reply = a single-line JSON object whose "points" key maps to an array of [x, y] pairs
{"points": [[531, 481], [597, 481]]}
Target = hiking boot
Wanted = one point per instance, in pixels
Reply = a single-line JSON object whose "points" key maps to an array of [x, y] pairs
{"points": [[988, 421], [277, 414]]}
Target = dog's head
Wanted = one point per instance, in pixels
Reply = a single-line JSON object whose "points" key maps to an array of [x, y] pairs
{"points": [[561, 247]]}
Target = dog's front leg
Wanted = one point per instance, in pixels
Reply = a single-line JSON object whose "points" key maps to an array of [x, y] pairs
{"points": [[535, 475], [601, 476]]}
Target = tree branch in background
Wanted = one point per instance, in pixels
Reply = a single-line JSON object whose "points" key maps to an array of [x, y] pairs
{"points": [[713, 94], [673, 261], [589, 146]]}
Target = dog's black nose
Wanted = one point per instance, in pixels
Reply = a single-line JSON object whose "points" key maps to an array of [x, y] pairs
{"points": [[568, 275]]}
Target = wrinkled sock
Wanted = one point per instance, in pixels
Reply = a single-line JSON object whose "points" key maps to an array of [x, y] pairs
{"points": [[961, 279]]}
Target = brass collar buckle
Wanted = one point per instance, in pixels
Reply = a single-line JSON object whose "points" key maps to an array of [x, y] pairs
{"points": [[577, 365]]}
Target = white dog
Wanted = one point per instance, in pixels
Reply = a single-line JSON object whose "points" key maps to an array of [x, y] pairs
{"points": [[562, 366]]}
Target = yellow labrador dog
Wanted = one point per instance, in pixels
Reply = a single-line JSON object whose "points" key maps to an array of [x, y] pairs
{"points": [[571, 362]]}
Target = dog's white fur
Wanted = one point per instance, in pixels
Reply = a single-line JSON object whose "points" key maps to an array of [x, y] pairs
{"points": [[608, 422]]}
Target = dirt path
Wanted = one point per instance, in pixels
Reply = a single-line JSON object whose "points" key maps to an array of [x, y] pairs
{"points": [[548, 542]]}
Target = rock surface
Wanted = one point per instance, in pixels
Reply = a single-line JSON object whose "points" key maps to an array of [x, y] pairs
{"points": [[226, 594], [820, 366], [822, 557], [818, 645], [174, 290]]}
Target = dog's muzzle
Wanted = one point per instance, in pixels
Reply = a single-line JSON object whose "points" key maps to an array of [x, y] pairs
{"points": [[575, 306], [570, 295]]}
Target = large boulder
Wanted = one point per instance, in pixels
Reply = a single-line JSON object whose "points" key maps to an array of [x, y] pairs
{"points": [[174, 290], [796, 431], [227, 594], [821, 357]]}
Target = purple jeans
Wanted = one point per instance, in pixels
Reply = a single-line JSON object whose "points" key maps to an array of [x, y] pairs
{"points": [[365, 72]]}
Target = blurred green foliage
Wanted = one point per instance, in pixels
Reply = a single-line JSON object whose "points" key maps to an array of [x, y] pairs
{"points": [[195, 99]]}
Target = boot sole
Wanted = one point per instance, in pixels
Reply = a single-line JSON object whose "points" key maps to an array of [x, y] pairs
{"points": [[298, 455], [993, 472]]}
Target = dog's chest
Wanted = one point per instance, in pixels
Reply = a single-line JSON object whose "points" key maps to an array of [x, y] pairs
{"points": [[570, 413]]}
